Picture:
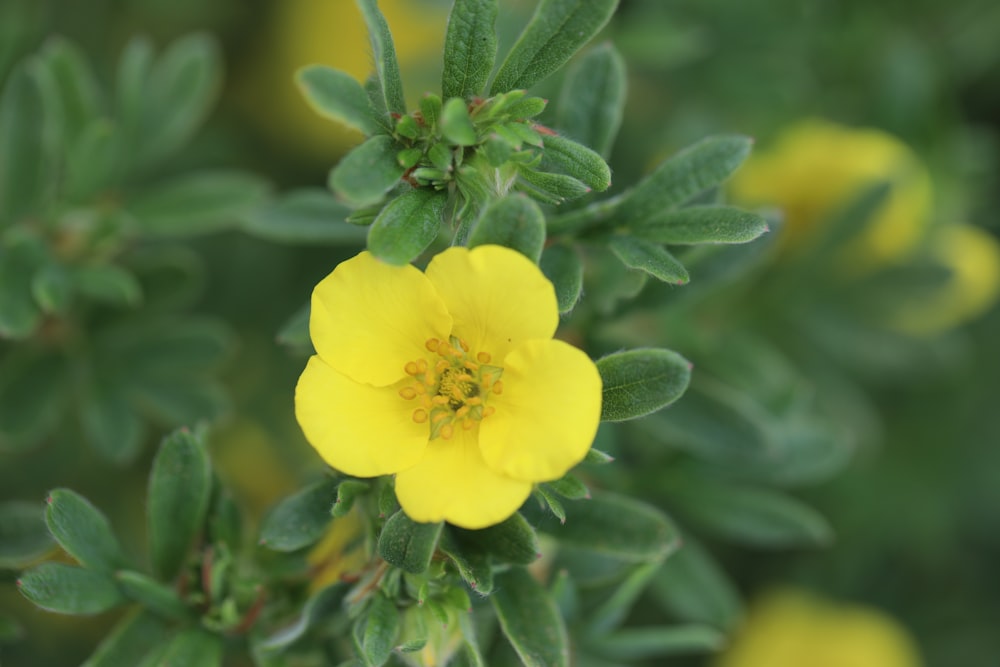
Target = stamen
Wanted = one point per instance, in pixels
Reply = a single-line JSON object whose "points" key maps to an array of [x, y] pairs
{"points": [[420, 416], [409, 393], [447, 431], [432, 344], [488, 411], [498, 387], [483, 357], [411, 368]]}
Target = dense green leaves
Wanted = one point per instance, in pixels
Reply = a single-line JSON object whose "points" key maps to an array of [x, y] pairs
{"points": [[470, 48], [381, 631], [514, 221], [530, 620], [23, 534], [406, 544], [66, 589], [384, 52], [300, 519], [366, 173], [563, 265], [592, 102], [83, 531], [130, 641], [638, 382], [701, 224], [407, 225], [337, 95], [556, 31], [180, 487], [649, 257]]}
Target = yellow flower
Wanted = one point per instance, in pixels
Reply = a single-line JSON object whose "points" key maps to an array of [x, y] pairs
{"points": [[796, 629], [816, 168], [340, 553], [449, 379], [973, 257]]}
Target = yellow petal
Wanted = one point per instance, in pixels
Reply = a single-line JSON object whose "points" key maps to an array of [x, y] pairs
{"points": [[452, 483], [497, 297], [358, 429], [369, 319], [547, 415]]}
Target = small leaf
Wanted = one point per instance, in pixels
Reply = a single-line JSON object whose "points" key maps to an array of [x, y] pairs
{"points": [[577, 161], [52, 288], [22, 164], [338, 96], [548, 499], [570, 486], [109, 284], [455, 123], [306, 217], [23, 534], [381, 631], [472, 562], [515, 222], [384, 53], [511, 541], [193, 648], [695, 169], [347, 492], [530, 620], [180, 487], [649, 257], [110, 422], [65, 589], [470, 48], [315, 611], [131, 79], [563, 266], [612, 612], [300, 519], [556, 31], [198, 203], [69, 89], [408, 545], [592, 101], [617, 526], [366, 173], [691, 586], [152, 594], [701, 224], [130, 641], [551, 188], [20, 258], [407, 226], [638, 382], [649, 643], [83, 531]]}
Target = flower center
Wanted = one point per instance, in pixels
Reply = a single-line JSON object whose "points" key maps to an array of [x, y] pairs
{"points": [[452, 387]]}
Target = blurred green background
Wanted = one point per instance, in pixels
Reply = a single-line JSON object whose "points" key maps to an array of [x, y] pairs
{"points": [[915, 512]]}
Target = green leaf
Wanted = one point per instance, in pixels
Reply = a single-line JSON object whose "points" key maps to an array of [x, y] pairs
{"points": [[131, 79], [20, 258], [22, 164], [407, 226], [556, 31], [366, 173], [295, 331], [577, 161], [33, 392], [570, 486], [551, 188], [470, 48], [701, 224], [472, 562], [10, 630], [381, 631], [695, 169], [69, 90], [307, 217], [563, 266], [52, 288], [23, 534], [300, 519], [592, 101], [639, 382], [530, 620], [691, 586], [348, 491], [384, 53], [408, 545], [515, 222], [180, 487], [177, 95], [511, 541], [198, 203], [338, 96], [612, 612], [109, 284], [315, 611], [65, 589], [83, 531], [617, 526], [151, 594], [649, 257], [130, 641], [747, 515], [109, 420], [193, 648], [657, 642], [94, 163], [456, 124]]}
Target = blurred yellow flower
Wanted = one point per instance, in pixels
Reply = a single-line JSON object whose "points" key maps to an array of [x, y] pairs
{"points": [[973, 257], [332, 32], [790, 628], [449, 379], [340, 553], [816, 168]]}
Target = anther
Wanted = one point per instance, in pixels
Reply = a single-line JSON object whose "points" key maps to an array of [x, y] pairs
{"points": [[462, 411], [447, 431], [483, 357], [468, 424], [498, 387], [422, 365], [465, 346], [409, 393], [432, 344], [488, 411], [411, 368], [420, 416], [439, 400]]}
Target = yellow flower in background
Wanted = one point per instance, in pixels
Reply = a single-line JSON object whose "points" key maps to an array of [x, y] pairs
{"points": [[796, 629], [973, 257], [332, 32], [450, 379], [816, 168], [340, 553]]}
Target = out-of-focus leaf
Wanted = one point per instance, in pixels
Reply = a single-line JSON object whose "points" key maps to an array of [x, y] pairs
{"points": [[65, 589], [470, 48], [365, 174], [315, 610], [110, 421], [130, 641], [384, 54], [20, 258], [152, 595], [563, 266], [530, 620], [308, 217], [108, 283], [515, 222], [647, 643], [52, 288], [23, 534], [612, 612], [638, 382], [593, 99], [10, 630], [300, 519], [22, 166], [295, 331], [338, 96], [691, 586], [649, 257], [69, 90], [83, 531], [193, 648], [455, 123], [33, 391], [701, 224], [406, 544], [407, 226]]}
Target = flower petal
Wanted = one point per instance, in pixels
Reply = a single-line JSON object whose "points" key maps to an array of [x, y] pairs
{"points": [[358, 429], [369, 319], [452, 483], [547, 415], [497, 297]]}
